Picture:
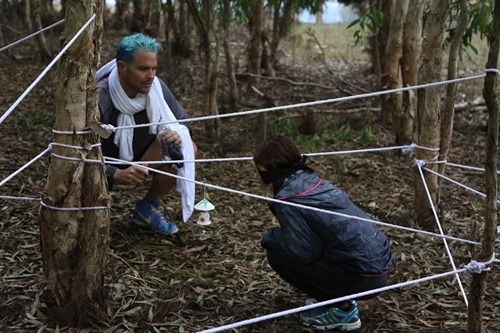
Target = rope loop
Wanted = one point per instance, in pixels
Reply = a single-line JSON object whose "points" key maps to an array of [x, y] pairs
{"points": [[492, 70], [419, 163], [409, 150], [475, 267], [108, 127]]}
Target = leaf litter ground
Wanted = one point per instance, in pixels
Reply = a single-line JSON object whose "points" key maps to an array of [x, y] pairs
{"points": [[215, 275]]}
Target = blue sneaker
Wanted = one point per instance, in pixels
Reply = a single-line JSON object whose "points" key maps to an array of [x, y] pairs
{"points": [[327, 318], [147, 214]]}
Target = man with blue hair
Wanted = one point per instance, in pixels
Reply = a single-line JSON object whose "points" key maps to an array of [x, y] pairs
{"points": [[131, 94]]}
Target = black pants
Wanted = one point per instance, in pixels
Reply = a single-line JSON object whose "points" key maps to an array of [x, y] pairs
{"points": [[322, 280]]}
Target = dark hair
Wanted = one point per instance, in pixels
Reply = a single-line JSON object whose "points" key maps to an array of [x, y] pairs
{"points": [[276, 152], [280, 158]]}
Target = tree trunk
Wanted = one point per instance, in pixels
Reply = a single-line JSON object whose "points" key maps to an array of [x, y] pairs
{"points": [[231, 77], [155, 25], [28, 24], [283, 17], [204, 18], [319, 18], [381, 38], [121, 10], [451, 89], [429, 109], [266, 62], [392, 104], [410, 65], [181, 31], [169, 27], [254, 44], [478, 284], [2, 23], [45, 54], [74, 242], [139, 16]]}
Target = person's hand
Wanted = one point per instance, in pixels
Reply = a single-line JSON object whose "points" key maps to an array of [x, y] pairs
{"points": [[172, 136], [133, 175]]}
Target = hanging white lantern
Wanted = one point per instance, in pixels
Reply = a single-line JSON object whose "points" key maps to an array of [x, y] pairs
{"points": [[204, 206]]}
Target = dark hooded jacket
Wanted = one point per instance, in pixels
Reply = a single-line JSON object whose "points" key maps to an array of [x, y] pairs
{"points": [[308, 235]]}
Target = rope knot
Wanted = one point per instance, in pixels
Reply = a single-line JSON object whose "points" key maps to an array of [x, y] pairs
{"points": [[419, 163], [409, 150], [108, 127], [475, 267]]}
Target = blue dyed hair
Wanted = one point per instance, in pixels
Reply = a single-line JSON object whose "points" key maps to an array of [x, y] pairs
{"points": [[137, 42]]}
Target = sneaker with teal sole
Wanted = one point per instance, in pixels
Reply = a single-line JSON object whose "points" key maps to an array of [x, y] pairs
{"points": [[328, 318], [146, 214]]}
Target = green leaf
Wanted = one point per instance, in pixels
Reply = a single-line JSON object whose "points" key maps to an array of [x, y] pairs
{"points": [[353, 23]]}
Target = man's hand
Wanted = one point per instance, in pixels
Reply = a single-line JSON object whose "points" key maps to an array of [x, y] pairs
{"points": [[172, 136], [133, 175]]}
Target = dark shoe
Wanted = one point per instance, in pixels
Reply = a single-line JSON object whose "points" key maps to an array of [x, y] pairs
{"points": [[327, 318]]}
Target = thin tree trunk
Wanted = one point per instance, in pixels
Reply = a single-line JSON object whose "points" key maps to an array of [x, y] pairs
{"points": [[155, 24], [254, 44], [169, 27], [182, 42], [2, 22], [45, 54], [231, 77], [410, 65], [204, 18], [392, 104], [28, 24], [380, 40], [429, 109], [267, 61], [74, 242], [283, 17], [119, 16], [478, 284], [319, 18], [451, 89], [139, 17]]}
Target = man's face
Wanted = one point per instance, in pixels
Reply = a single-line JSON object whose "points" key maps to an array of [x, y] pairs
{"points": [[138, 76]]}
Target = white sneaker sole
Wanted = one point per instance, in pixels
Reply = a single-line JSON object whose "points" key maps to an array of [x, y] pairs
{"points": [[339, 327]]}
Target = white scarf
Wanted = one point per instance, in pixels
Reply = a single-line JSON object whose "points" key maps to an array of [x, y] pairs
{"points": [[157, 110]]}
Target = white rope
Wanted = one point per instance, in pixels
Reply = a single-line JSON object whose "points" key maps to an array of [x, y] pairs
{"points": [[475, 267], [451, 238], [405, 149], [436, 217], [73, 209], [6, 114], [492, 70], [118, 161], [467, 167], [300, 105], [72, 132], [32, 35], [18, 198], [75, 159], [457, 183], [58, 144], [468, 269], [12, 175], [249, 158]]}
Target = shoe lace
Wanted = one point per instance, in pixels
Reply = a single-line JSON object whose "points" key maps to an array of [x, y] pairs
{"points": [[158, 215]]}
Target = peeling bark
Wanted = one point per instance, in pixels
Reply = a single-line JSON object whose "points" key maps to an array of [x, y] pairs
{"points": [[74, 243]]}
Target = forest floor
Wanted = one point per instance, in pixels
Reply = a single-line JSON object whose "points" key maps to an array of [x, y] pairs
{"points": [[218, 274]]}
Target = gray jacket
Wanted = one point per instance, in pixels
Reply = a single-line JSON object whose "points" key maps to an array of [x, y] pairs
{"points": [[309, 236]]}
